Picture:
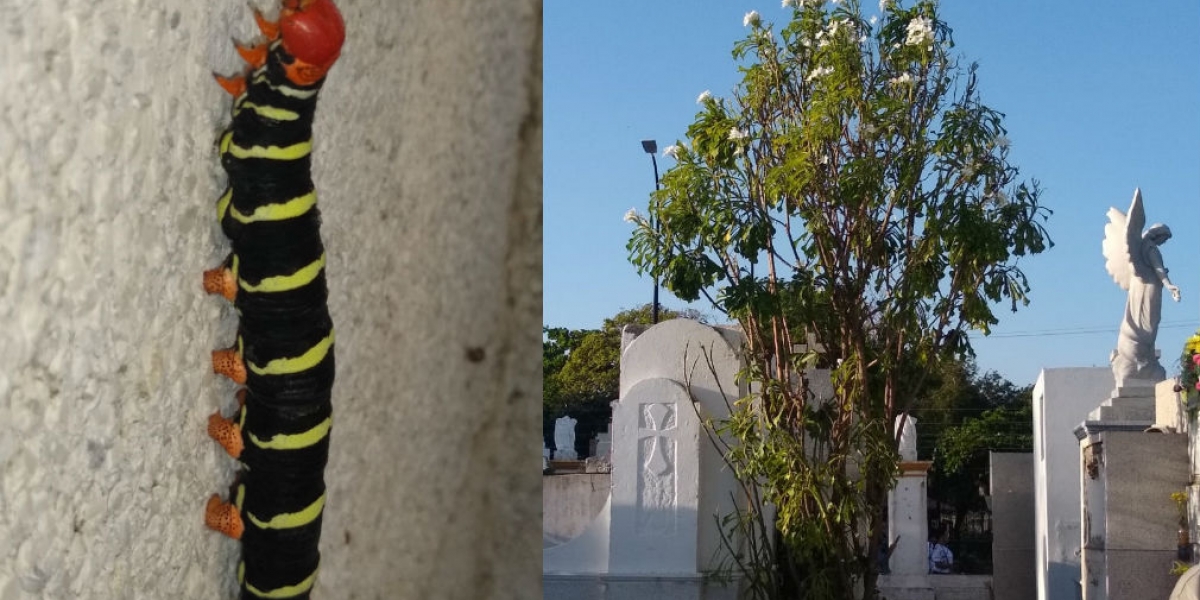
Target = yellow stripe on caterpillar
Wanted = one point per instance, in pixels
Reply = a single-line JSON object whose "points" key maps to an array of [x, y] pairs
{"points": [[241, 496], [284, 283], [293, 152], [289, 366], [288, 91], [286, 591], [301, 518], [294, 441], [223, 204], [279, 212], [270, 112]]}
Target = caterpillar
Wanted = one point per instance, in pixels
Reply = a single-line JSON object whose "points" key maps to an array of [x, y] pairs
{"points": [[275, 277]]}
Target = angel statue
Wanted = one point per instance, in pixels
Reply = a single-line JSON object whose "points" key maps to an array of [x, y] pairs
{"points": [[1133, 260]]}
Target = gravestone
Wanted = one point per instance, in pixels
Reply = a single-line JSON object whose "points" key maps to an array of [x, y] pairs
{"points": [[656, 483], [658, 536], [564, 439]]}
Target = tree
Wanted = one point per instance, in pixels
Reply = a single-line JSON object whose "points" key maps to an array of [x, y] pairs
{"points": [[853, 187], [581, 370]]}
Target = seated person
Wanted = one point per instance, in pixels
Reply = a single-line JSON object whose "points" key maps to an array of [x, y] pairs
{"points": [[941, 560]]}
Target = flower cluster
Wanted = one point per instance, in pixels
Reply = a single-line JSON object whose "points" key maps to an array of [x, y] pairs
{"points": [[818, 72], [835, 25], [737, 135], [1189, 364], [920, 32], [751, 18]]}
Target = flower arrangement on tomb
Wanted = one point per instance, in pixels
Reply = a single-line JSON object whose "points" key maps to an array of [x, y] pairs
{"points": [[1189, 366]]}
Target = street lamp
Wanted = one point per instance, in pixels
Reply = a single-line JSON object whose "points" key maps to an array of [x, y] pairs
{"points": [[651, 148]]}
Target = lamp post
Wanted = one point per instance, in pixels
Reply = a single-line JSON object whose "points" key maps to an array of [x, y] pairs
{"points": [[651, 148]]}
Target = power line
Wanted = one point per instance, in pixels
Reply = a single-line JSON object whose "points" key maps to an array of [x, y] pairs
{"points": [[1083, 330]]}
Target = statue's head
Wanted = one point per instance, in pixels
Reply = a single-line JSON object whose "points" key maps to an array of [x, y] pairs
{"points": [[1157, 233]]}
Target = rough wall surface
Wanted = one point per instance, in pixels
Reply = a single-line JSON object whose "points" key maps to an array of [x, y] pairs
{"points": [[428, 166]]}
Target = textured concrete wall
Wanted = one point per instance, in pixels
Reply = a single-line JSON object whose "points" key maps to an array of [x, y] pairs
{"points": [[1138, 474], [1013, 557], [428, 166]]}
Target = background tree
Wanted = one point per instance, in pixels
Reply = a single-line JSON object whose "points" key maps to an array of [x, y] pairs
{"points": [[581, 370], [853, 187]]}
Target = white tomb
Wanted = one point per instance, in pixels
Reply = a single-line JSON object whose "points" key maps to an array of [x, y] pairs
{"points": [[1062, 398], [658, 535]]}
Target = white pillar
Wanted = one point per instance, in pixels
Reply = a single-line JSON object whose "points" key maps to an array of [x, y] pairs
{"points": [[908, 525]]}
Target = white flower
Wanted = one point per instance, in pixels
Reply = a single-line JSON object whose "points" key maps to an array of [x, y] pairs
{"points": [[902, 79], [920, 32], [818, 72], [736, 134], [672, 151], [883, 4], [704, 96], [632, 216], [1000, 142], [787, 3], [751, 18]]}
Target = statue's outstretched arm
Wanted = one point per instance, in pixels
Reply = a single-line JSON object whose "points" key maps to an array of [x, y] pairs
{"points": [[1154, 257]]}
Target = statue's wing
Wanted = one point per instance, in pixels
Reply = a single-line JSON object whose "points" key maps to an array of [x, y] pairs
{"points": [[1133, 238], [1120, 250]]}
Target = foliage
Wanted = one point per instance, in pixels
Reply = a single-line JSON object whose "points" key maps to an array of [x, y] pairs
{"points": [[854, 187], [1008, 427], [1181, 505]]}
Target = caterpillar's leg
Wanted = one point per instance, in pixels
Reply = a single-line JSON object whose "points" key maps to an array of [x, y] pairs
{"points": [[221, 280], [236, 86], [255, 56], [223, 517], [228, 362], [227, 433], [268, 28]]}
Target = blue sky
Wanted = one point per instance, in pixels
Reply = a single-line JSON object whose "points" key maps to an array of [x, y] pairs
{"points": [[1099, 97]]}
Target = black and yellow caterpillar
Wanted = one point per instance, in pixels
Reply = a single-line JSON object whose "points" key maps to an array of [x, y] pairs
{"points": [[275, 276]]}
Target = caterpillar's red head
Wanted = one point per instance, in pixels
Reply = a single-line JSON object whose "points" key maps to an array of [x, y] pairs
{"points": [[312, 32]]}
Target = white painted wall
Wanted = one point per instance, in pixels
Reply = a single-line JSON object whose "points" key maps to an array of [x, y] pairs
{"points": [[1062, 399], [428, 165]]}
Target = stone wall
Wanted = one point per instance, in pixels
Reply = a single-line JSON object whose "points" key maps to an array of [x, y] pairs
{"points": [[1013, 556]]}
